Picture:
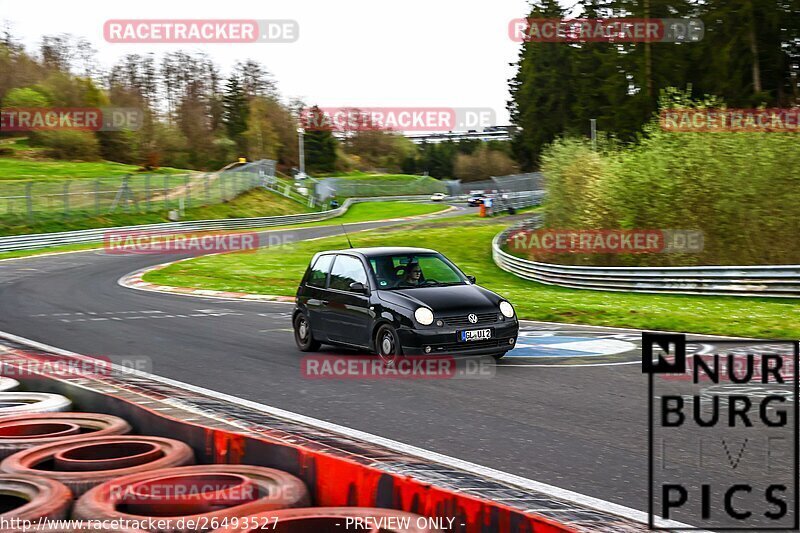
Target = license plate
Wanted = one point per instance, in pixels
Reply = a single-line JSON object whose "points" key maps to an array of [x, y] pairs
{"points": [[476, 334]]}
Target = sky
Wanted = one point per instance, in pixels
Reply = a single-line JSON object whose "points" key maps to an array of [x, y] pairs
{"points": [[359, 53]]}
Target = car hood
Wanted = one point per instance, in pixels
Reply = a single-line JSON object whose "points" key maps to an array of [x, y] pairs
{"points": [[445, 300]]}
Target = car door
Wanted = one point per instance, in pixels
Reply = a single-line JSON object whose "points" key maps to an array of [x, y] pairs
{"points": [[317, 295], [347, 315]]}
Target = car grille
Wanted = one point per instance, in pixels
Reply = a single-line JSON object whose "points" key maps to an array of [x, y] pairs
{"points": [[462, 320], [471, 345]]}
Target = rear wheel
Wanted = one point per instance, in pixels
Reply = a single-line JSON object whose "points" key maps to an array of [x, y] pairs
{"points": [[387, 345], [303, 336]]}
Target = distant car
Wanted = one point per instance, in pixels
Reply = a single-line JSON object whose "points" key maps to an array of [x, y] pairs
{"points": [[399, 301], [475, 200], [438, 197]]}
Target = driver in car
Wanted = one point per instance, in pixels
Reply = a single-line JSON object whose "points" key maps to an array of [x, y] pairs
{"points": [[412, 277]]}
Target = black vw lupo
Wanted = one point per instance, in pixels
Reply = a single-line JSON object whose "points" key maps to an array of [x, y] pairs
{"points": [[399, 301]]}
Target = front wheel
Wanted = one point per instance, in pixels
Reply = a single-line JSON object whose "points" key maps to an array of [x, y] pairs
{"points": [[498, 356], [387, 345], [303, 336]]}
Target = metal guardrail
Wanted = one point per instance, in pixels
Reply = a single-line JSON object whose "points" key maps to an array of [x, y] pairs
{"points": [[45, 240], [782, 281]]}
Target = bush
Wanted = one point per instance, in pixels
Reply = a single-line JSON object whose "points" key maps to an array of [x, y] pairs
{"points": [[742, 190], [70, 145], [120, 146], [483, 163]]}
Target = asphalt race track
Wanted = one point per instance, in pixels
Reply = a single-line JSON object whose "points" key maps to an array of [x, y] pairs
{"points": [[568, 407]]}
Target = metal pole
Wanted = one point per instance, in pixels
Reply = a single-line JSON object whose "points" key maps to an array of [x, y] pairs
{"points": [[593, 122], [205, 186], [66, 198], [124, 194], [96, 197], [147, 193], [166, 190], [29, 200], [302, 155], [186, 190]]}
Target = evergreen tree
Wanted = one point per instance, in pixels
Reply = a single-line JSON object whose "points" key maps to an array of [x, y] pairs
{"points": [[320, 145], [235, 113]]}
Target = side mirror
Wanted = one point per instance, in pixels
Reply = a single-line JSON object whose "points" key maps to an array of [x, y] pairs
{"points": [[357, 286], [471, 279]]}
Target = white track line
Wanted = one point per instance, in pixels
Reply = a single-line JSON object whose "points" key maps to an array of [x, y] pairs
{"points": [[452, 462]]}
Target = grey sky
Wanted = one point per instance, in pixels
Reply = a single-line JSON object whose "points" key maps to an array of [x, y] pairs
{"points": [[423, 53]]}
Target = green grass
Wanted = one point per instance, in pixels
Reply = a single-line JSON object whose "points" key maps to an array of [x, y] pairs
{"points": [[357, 213], [355, 175], [380, 211], [53, 249], [255, 203], [12, 169], [467, 243]]}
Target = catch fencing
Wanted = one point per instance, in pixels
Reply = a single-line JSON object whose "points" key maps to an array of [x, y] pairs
{"points": [[33, 201], [46, 240], [367, 186]]}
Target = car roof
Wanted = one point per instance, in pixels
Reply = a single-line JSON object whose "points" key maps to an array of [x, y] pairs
{"points": [[383, 250]]}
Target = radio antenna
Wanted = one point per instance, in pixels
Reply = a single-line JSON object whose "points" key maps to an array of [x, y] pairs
{"points": [[346, 236]]}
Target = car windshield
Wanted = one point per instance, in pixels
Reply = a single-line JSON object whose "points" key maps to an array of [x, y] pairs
{"points": [[406, 271]]}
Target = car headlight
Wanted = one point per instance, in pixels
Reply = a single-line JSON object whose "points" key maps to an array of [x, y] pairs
{"points": [[424, 316], [506, 309]]}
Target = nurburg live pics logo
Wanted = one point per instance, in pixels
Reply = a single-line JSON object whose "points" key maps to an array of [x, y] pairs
{"points": [[729, 460]]}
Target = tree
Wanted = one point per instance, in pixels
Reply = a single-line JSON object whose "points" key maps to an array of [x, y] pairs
{"points": [[261, 139], [377, 149], [483, 164], [235, 113], [320, 145], [254, 79], [541, 91], [25, 97]]}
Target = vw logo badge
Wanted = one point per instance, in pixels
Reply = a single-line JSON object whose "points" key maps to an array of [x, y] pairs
{"points": [[472, 317]]}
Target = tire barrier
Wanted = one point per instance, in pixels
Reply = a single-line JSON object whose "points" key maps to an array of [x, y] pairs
{"points": [[17, 403], [334, 519], [27, 497], [8, 384], [25, 431], [218, 493], [200, 493], [83, 462]]}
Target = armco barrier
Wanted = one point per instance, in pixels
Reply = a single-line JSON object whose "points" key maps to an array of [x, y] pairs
{"points": [[769, 280], [339, 470], [45, 240]]}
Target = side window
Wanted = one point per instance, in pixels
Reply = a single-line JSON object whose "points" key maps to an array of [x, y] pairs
{"points": [[320, 271], [347, 270]]}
